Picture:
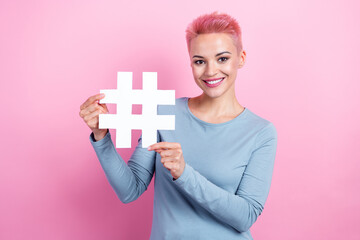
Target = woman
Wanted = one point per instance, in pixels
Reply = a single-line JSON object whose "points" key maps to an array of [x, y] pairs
{"points": [[213, 172]]}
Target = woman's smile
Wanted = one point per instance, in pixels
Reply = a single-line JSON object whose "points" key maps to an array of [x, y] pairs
{"points": [[213, 83]]}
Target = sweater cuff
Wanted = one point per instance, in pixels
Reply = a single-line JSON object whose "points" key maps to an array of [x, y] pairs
{"points": [[102, 141], [184, 176]]}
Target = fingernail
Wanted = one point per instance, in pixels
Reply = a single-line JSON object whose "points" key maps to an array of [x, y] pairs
{"points": [[149, 148], [102, 95]]}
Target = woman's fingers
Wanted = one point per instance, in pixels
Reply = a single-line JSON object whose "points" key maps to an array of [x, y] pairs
{"points": [[104, 106], [93, 123], [91, 108], [168, 159], [91, 100], [168, 165], [172, 166], [172, 154], [168, 153], [93, 118], [164, 145], [92, 115], [95, 113]]}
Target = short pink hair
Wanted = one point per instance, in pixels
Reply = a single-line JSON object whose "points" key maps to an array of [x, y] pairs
{"points": [[214, 23]]}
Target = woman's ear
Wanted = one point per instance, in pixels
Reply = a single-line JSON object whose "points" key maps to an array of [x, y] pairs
{"points": [[242, 58]]}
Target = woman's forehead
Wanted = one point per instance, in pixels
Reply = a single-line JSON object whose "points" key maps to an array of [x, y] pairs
{"points": [[212, 44]]}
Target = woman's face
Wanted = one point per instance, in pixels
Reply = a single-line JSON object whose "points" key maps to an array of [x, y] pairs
{"points": [[214, 56]]}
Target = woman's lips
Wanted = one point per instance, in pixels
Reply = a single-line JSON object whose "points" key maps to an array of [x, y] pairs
{"points": [[214, 84], [213, 79]]}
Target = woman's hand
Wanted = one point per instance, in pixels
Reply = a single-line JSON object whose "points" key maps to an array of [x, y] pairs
{"points": [[171, 157], [89, 112]]}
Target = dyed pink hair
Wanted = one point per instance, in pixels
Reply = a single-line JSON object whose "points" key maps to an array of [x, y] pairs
{"points": [[215, 23]]}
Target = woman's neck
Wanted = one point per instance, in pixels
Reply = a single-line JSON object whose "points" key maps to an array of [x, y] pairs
{"points": [[226, 105]]}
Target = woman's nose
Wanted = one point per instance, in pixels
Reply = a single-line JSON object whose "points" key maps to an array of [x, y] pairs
{"points": [[211, 69]]}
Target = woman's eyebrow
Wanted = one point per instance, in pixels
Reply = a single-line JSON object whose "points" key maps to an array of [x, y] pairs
{"points": [[215, 55]]}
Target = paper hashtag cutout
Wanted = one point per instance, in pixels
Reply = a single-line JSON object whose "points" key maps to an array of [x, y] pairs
{"points": [[124, 121]]}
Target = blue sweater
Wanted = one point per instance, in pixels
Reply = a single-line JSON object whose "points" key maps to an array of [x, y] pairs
{"points": [[225, 183]]}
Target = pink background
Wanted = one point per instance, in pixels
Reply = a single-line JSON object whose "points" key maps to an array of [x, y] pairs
{"points": [[302, 73]]}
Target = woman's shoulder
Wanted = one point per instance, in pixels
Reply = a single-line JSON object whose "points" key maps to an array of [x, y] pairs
{"points": [[260, 123]]}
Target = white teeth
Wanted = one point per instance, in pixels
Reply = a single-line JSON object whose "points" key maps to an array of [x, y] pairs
{"points": [[216, 81]]}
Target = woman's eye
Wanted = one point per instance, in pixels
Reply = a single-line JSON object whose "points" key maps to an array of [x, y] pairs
{"points": [[223, 59]]}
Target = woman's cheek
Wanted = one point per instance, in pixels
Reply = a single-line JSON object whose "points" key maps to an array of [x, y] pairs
{"points": [[196, 73], [195, 69]]}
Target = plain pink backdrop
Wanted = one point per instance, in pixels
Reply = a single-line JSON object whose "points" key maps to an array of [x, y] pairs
{"points": [[302, 73]]}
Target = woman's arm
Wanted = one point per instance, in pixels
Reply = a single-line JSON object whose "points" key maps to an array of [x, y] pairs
{"points": [[238, 210], [129, 180]]}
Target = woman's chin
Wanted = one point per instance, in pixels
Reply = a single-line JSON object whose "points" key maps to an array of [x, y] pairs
{"points": [[212, 94]]}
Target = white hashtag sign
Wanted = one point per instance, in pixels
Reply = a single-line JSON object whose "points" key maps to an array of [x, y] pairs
{"points": [[124, 121]]}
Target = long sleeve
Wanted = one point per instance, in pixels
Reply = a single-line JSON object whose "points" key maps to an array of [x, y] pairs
{"points": [[129, 180], [238, 210]]}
